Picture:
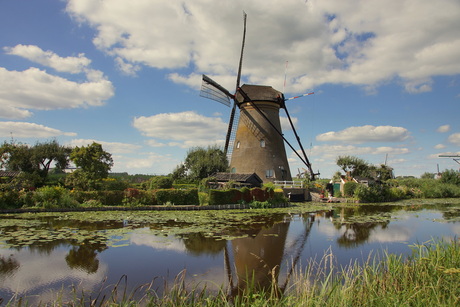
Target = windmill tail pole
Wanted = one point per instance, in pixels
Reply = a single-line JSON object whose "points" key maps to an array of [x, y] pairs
{"points": [[311, 93]]}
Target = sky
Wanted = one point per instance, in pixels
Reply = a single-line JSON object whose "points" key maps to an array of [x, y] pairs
{"points": [[127, 75]]}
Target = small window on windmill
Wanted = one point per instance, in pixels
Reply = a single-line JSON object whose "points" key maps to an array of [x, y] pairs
{"points": [[262, 143], [233, 170], [238, 144], [269, 173]]}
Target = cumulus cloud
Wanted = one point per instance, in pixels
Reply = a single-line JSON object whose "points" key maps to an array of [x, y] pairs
{"points": [[29, 130], [185, 129], [48, 58], [443, 128], [367, 133], [354, 42], [454, 139], [36, 89]]}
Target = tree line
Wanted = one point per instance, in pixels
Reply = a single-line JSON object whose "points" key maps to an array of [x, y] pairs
{"points": [[33, 163]]}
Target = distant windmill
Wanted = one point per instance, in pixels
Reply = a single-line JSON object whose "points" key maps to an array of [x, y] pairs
{"points": [[254, 140]]}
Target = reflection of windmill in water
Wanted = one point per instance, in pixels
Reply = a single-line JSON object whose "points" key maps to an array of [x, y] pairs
{"points": [[258, 258], [254, 140]]}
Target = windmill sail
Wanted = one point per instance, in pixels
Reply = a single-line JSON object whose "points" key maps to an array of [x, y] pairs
{"points": [[212, 90], [232, 135], [231, 124]]}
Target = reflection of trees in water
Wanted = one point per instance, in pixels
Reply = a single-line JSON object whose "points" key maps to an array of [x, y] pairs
{"points": [[84, 257], [8, 266], [358, 233], [197, 244]]}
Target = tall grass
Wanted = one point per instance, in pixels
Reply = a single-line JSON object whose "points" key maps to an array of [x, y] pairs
{"points": [[428, 277]]}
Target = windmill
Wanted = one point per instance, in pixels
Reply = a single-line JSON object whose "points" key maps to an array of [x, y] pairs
{"points": [[254, 142]]}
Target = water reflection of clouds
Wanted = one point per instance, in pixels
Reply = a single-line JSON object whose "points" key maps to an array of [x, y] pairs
{"points": [[37, 274], [162, 243], [396, 233]]}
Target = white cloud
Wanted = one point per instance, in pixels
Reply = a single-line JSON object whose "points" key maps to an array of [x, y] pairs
{"points": [[354, 42], [127, 68], [36, 89], [111, 147], [286, 125], [11, 112], [367, 133], [443, 128], [440, 146], [48, 58], [29, 130], [185, 129], [454, 139]]}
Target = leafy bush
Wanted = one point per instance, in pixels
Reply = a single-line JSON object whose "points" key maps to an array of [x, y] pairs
{"points": [[204, 198], [91, 203], [349, 188], [112, 184], [260, 204], [224, 197], [9, 199], [450, 176], [161, 182], [177, 197], [54, 197]]}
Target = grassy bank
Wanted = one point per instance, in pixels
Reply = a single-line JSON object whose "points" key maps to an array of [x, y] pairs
{"points": [[429, 277]]}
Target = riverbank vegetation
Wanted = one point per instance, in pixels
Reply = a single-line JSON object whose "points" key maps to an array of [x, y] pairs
{"points": [[30, 182], [428, 277]]}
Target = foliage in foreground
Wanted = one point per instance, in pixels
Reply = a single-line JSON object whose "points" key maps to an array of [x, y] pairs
{"points": [[429, 277]]}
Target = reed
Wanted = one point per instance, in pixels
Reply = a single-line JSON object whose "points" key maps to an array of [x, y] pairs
{"points": [[430, 276]]}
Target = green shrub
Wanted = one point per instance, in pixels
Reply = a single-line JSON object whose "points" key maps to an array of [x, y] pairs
{"points": [[112, 184], [9, 199], [92, 203], [161, 182], [177, 197], [450, 176], [260, 204], [349, 188], [224, 197], [54, 197], [111, 198], [204, 198]]}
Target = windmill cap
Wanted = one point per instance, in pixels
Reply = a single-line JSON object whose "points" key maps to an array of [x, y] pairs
{"points": [[259, 93]]}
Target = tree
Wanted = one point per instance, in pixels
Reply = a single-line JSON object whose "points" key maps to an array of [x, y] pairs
{"points": [[353, 165], [34, 160], [203, 162], [46, 153], [93, 160], [94, 164], [16, 157]]}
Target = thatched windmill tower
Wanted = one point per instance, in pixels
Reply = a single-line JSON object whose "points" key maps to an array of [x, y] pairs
{"points": [[254, 141]]}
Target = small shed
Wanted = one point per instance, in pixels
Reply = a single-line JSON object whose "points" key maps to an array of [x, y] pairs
{"points": [[249, 180], [8, 175]]}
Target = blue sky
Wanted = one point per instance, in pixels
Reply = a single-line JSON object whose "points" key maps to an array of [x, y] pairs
{"points": [[386, 76]]}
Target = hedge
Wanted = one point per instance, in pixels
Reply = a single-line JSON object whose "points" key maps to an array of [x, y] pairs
{"points": [[232, 196], [177, 197]]}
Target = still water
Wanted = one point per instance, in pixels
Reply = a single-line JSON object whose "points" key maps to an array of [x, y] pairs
{"points": [[44, 255]]}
